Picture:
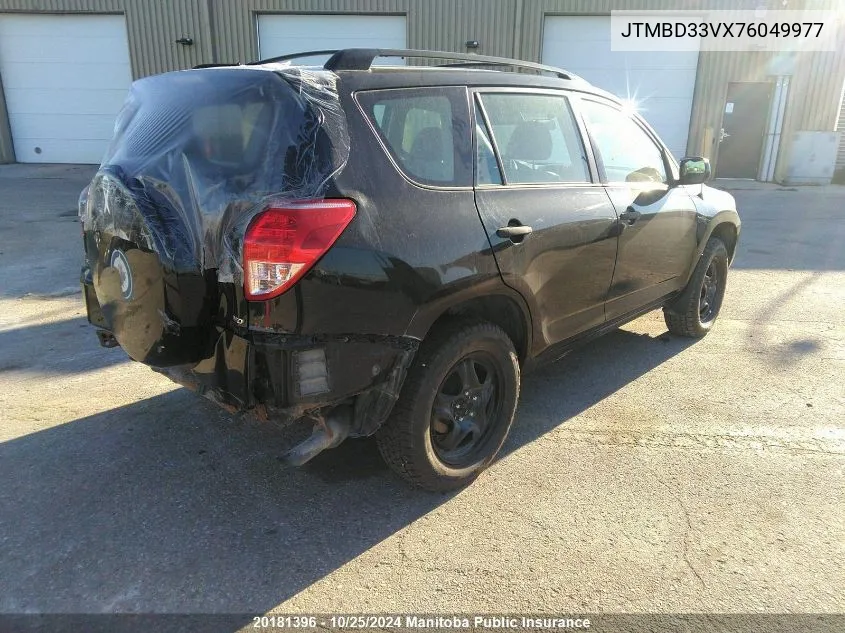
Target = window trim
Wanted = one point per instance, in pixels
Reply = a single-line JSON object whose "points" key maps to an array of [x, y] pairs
{"points": [[568, 95], [462, 101], [669, 166], [485, 123]]}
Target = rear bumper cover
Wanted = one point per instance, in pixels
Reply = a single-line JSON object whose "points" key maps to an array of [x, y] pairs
{"points": [[284, 376]]}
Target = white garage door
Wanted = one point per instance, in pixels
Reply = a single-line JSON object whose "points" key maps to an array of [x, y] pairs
{"points": [[65, 78], [283, 34], [661, 83]]}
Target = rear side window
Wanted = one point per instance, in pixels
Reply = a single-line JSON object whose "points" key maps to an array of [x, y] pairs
{"points": [[424, 131], [537, 138]]}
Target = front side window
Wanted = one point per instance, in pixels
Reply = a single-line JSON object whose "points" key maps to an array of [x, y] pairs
{"points": [[627, 152], [418, 129], [536, 137]]}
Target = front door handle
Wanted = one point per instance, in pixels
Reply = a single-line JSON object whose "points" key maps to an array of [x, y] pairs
{"points": [[511, 232], [515, 232], [630, 216]]}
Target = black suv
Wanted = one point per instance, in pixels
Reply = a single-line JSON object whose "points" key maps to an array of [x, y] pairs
{"points": [[382, 251]]}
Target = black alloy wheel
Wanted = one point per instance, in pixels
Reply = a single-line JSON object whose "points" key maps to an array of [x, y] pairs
{"points": [[707, 304], [694, 311], [466, 404], [456, 406]]}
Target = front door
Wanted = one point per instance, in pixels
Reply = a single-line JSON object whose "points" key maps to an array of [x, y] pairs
{"points": [[657, 220], [743, 129], [552, 229]]}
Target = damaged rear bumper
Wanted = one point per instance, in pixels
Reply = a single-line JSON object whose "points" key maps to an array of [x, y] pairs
{"points": [[286, 377]]}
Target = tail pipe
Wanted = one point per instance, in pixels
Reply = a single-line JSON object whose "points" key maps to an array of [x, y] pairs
{"points": [[329, 431]]}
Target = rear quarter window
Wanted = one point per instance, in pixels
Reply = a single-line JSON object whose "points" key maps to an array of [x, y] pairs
{"points": [[425, 131]]}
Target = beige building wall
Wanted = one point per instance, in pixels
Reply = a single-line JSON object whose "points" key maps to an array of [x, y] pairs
{"points": [[226, 31]]}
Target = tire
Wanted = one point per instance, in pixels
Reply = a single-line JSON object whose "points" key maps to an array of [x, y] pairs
{"points": [[694, 312], [437, 437]]}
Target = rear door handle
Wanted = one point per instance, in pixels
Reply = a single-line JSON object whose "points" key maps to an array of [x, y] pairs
{"points": [[630, 216], [514, 231]]}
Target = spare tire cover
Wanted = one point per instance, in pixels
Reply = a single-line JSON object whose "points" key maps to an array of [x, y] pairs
{"points": [[159, 314], [195, 156]]}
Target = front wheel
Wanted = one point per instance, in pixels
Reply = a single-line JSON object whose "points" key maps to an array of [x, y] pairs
{"points": [[695, 311], [455, 409]]}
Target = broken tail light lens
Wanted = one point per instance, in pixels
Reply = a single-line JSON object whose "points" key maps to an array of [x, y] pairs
{"points": [[283, 242]]}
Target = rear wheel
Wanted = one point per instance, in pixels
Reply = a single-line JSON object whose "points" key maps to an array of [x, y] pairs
{"points": [[455, 409], [695, 311]]}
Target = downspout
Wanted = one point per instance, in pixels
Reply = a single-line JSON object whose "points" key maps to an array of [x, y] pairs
{"points": [[211, 36], [517, 30]]}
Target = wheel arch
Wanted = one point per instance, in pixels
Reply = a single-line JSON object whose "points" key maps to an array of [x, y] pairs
{"points": [[728, 232], [726, 226], [504, 309]]}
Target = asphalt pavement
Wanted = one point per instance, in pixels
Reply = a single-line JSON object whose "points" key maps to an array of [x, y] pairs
{"points": [[644, 473]]}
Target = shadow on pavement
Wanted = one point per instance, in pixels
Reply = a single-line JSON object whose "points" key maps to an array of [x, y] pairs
{"points": [[171, 505]]}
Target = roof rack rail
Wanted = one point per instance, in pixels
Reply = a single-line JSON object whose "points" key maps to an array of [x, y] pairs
{"points": [[292, 56], [270, 60], [363, 58], [562, 74]]}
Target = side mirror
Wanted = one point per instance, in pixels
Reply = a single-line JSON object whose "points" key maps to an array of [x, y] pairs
{"points": [[694, 170]]}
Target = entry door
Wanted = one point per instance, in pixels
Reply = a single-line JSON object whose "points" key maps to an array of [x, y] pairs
{"points": [[551, 228], [657, 219], [743, 129]]}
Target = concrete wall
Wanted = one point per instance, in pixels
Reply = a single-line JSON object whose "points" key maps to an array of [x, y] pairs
{"points": [[812, 158]]}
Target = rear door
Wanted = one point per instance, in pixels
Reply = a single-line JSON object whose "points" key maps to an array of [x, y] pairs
{"points": [[551, 225], [657, 218]]}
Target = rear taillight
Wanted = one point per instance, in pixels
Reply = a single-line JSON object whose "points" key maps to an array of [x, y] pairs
{"points": [[283, 242]]}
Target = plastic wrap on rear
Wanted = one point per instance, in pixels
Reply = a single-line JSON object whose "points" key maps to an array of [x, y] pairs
{"points": [[197, 154]]}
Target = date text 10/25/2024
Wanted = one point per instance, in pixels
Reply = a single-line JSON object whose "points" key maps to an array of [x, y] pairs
{"points": [[291, 622]]}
